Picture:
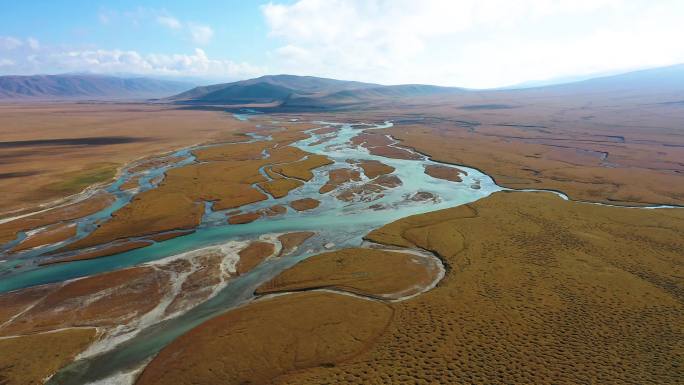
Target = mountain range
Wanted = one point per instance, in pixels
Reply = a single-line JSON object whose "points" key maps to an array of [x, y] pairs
{"points": [[315, 93], [312, 93], [85, 86]]}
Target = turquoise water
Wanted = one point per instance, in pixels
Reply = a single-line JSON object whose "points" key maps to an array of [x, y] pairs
{"points": [[336, 222], [342, 223]]}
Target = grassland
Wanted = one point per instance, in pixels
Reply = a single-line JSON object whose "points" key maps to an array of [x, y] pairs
{"points": [[28, 360], [619, 148], [50, 151], [538, 290]]}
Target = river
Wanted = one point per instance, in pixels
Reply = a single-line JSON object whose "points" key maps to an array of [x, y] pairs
{"points": [[338, 224]]}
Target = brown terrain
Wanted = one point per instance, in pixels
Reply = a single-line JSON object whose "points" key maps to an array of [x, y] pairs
{"points": [[253, 255], [596, 147], [241, 219], [43, 328], [566, 295], [50, 151], [28, 360], [291, 241], [338, 177], [305, 204], [9, 229], [51, 234], [380, 144], [225, 176], [444, 172], [302, 169], [271, 337], [361, 271], [374, 168]]}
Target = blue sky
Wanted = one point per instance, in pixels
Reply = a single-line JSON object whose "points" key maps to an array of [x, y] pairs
{"points": [[472, 43]]}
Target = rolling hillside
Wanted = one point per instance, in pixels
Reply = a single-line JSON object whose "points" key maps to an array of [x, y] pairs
{"points": [[70, 87]]}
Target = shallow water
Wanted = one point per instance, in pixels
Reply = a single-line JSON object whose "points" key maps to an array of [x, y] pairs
{"points": [[340, 223]]}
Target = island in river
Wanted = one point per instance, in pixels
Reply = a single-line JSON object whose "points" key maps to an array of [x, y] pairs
{"points": [[364, 247]]}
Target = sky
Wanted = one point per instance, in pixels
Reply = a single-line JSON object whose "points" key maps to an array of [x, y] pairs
{"points": [[466, 43]]}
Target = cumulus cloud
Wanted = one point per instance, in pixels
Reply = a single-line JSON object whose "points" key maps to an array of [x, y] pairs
{"points": [[475, 43], [197, 64]]}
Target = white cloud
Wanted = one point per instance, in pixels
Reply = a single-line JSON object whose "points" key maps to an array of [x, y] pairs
{"points": [[197, 64], [169, 22], [200, 34], [475, 43], [9, 43]]}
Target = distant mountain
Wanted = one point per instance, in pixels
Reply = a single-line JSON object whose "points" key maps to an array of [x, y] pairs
{"points": [[306, 92], [661, 79], [72, 86], [302, 91], [370, 94], [266, 89]]}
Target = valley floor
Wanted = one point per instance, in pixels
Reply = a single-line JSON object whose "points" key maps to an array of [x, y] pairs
{"points": [[505, 287]]}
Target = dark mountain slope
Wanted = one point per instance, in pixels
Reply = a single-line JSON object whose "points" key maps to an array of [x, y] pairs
{"points": [[68, 86]]}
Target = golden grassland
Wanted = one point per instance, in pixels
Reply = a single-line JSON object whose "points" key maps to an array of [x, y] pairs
{"points": [[291, 241], [444, 172], [374, 168], [28, 360], [51, 234], [53, 150], [614, 148], [252, 255], [339, 176], [9, 230], [225, 176], [302, 169], [43, 328], [270, 337], [538, 290], [358, 270], [305, 204]]}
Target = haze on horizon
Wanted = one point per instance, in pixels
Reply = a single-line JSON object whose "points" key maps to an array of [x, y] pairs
{"points": [[467, 43]]}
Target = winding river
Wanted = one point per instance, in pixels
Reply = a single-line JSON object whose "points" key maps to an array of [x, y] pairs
{"points": [[337, 223]]}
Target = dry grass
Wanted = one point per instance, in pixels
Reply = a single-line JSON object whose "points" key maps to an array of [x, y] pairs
{"points": [[538, 290], [291, 241], [339, 176], [374, 168], [9, 230], [444, 172], [256, 343], [114, 134], [28, 360], [279, 188], [51, 234], [252, 255], [305, 204], [363, 271], [302, 169], [102, 300]]}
